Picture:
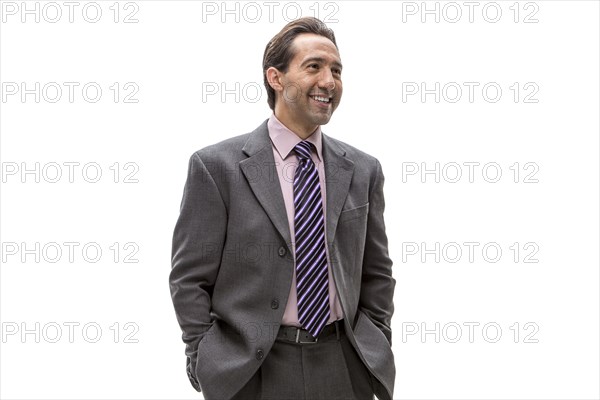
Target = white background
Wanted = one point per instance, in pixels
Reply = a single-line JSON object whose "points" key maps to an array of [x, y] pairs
{"points": [[175, 52]]}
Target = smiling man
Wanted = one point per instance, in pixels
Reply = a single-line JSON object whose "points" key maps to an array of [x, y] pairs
{"points": [[281, 278]]}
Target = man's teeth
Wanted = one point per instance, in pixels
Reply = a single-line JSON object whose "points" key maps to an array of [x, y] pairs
{"points": [[321, 99]]}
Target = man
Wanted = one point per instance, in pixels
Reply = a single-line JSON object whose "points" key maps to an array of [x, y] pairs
{"points": [[281, 279]]}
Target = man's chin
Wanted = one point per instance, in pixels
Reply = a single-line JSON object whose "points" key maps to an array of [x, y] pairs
{"points": [[322, 119]]}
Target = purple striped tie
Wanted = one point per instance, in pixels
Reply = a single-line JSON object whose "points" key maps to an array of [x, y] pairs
{"points": [[311, 261]]}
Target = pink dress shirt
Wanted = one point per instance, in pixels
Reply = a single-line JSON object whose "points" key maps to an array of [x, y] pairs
{"points": [[284, 141]]}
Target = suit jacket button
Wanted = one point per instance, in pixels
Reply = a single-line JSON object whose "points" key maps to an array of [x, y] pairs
{"points": [[274, 304], [259, 354], [281, 251]]}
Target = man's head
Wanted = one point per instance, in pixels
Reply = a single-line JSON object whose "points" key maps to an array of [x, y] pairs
{"points": [[302, 74]]}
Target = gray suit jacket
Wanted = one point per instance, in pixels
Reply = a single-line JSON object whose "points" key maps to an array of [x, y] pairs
{"points": [[232, 260]]}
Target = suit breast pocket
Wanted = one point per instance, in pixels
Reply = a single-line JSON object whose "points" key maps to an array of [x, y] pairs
{"points": [[354, 213], [347, 250]]}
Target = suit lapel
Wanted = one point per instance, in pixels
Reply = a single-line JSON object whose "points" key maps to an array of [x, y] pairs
{"points": [[261, 173], [338, 174]]}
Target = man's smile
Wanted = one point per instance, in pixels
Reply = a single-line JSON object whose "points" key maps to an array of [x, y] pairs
{"points": [[321, 99], [323, 102]]}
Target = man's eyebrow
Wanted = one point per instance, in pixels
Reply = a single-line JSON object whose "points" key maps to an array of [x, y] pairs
{"points": [[320, 60]]}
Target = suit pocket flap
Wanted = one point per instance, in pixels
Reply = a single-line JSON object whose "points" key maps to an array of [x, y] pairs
{"points": [[353, 213]]}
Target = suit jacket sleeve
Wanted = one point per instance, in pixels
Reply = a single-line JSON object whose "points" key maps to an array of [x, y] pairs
{"points": [[377, 287], [197, 246]]}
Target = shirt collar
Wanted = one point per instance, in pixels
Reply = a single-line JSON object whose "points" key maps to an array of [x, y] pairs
{"points": [[285, 140]]}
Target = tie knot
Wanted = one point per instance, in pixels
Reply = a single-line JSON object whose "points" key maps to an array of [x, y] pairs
{"points": [[302, 149]]}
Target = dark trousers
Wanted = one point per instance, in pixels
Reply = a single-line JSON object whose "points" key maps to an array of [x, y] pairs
{"points": [[329, 369]]}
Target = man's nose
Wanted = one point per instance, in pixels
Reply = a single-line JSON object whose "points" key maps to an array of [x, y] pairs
{"points": [[327, 82]]}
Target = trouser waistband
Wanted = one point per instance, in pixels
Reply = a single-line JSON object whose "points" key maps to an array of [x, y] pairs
{"points": [[302, 336]]}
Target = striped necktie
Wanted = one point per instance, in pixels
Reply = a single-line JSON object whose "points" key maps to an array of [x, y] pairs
{"points": [[311, 262]]}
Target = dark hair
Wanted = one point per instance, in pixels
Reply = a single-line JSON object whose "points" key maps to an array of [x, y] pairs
{"points": [[278, 52]]}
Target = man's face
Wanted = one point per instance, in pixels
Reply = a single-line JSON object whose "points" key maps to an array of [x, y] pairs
{"points": [[311, 89]]}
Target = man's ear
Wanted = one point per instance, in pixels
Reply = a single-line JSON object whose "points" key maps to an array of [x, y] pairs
{"points": [[274, 79]]}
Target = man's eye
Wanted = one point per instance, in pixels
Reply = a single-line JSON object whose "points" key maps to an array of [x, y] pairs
{"points": [[313, 66]]}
